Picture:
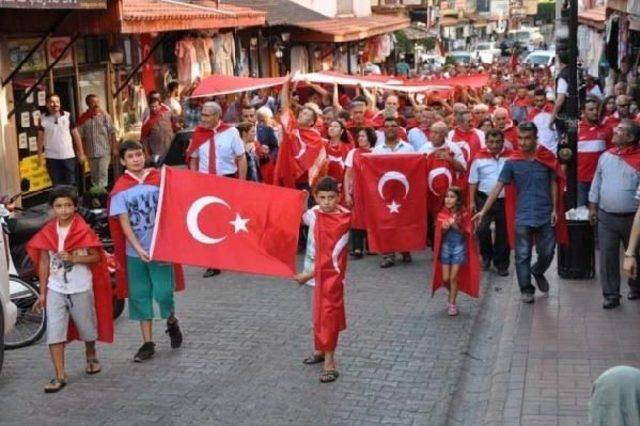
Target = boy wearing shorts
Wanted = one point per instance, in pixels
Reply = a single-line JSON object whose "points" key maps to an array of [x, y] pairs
{"points": [[75, 289], [132, 210]]}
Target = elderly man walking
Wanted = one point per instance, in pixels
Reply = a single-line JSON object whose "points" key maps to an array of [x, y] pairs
{"points": [[216, 148], [99, 136], [612, 204]]}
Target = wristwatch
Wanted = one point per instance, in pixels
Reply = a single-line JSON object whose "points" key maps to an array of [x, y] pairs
{"points": [[629, 255]]}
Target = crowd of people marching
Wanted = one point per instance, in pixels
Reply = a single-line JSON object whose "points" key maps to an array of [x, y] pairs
{"points": [[496, 171]]}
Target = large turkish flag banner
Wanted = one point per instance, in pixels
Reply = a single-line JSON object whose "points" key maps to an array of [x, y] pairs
{"points": [[395, 191], [217, 222]]}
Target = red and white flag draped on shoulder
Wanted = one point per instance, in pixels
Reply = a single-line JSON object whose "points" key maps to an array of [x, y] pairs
{"points": [[202, 135], [123, 183], [218, 222], [547, 159], [469, 273], [81, 236], [302, 151], [440, 176], [394, 190], [332, 241]]}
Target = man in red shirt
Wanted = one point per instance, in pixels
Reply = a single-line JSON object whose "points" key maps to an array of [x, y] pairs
{"points": [[592, 142]]}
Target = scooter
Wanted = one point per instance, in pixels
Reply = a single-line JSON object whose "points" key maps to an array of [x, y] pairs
{"points": [[22, 225]]}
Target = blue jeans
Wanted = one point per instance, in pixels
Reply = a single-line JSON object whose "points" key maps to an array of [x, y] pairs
{"points": [[545, 241]]}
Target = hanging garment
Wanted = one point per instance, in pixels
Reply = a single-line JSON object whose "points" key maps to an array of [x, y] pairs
{"points": [[202, 55], [299, 59], [188, 67]]}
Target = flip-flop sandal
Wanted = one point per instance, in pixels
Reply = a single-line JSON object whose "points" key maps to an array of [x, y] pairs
{"points": [[314, 359], [93, 366], [329, 376], [55, 385]]}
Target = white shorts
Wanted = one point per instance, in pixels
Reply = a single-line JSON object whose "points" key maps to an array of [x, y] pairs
{"points": [[78, 307]]}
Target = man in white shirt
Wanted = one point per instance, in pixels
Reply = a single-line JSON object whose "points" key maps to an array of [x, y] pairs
{"points": [[419, 136], [392, 145], [57, 135]]}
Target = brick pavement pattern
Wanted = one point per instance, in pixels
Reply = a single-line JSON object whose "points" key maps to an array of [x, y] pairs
{"points": [[550, 353], [245, 338]]}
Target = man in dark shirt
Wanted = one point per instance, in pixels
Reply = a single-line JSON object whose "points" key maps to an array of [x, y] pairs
{"points": [[535, 217]]}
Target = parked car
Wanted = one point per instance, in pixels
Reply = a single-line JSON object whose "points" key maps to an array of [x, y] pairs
{"points": [[486, 52], [541, 57], [458, 57]]}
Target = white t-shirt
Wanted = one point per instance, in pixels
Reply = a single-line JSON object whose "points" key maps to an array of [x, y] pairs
{"points": [[563, 87], [546, 136], [309, 219], [58, 143], [401, 148], [229, 145], [67, 278]]}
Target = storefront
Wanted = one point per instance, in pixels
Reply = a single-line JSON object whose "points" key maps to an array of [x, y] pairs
{"points": [[111, 52]]}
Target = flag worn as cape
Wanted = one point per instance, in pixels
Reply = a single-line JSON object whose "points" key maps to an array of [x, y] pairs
{"points": [[200, 136], [547, 159], [301, 151], [630, 155], [88, 115], [80, 236], [330, 266], [469, 272], [123, 183]]}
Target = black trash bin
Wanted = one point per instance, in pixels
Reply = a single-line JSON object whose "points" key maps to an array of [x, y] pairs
{"points": [[577, 261]]}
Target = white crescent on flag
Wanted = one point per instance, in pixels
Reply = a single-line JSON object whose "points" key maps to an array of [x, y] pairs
{"points": [[393, 175], [303, 146], [192, 219], [340, 245], [437, 172]]}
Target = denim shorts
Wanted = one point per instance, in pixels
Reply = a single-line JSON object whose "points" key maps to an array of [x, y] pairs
{"points": [[452, 253]]}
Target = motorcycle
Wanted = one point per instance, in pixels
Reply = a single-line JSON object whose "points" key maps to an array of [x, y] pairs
{"points": [[21, 225]]}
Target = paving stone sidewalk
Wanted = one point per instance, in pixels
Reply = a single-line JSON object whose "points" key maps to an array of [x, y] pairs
{"points": [[550, 353], [245, 338]]}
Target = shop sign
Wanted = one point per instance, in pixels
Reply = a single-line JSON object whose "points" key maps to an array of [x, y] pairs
{"points": [[18, 50], [53, 4], [37, 175], [55, 47]]}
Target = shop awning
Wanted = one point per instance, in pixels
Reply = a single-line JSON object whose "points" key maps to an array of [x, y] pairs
{"points": [[478, 20], [417, 33], [281, 12], [593, 17], [146, 16], [341, 30], [450, 21]]}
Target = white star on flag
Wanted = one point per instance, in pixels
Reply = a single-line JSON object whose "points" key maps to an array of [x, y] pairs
{"points": [[393, 207], [239, 224]]}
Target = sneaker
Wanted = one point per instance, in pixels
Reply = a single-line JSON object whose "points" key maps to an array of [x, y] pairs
{"points": [[211, 273], [541, 283], [406, 257], [503, 272], [387, 262], [173, 330], [527, 298], [610, 303], [453, 310], [146, 351], [633, 295]]}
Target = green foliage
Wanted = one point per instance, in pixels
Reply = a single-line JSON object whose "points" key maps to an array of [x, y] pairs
{"points": [[546, 11]]}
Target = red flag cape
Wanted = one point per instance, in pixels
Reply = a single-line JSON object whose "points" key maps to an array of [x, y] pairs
{"points": [[123, 183], [547, 159], [81, 236], [152, 120], [215, 85], [218, 222], [394, 187], [301, 150], [469, 273], [332, 240], [630, 155], [199, 137], [358, 212], [440, 176], [88, 115]]}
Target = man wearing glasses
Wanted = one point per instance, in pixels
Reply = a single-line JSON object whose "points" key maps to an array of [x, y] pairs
{"points": [[623, 110], [612, 204]]}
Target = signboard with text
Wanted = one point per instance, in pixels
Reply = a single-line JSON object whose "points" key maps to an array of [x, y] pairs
{"points": [[53, 4]]}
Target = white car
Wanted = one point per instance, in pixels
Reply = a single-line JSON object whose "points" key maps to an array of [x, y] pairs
{"points": [[486, 52], [545, 58], [458, 57]]}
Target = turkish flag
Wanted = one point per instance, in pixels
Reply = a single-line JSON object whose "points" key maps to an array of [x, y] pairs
{"points": [[394, 189], [440, 176], [218, 222], [331, 234]]}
